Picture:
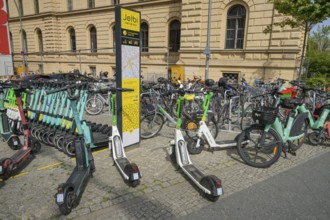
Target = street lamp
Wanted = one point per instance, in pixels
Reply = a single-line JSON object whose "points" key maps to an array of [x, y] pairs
{"points": [[207, 48], [21, 26]]}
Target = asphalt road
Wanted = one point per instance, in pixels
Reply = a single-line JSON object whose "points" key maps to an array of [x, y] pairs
{"points": [[302, 192]]}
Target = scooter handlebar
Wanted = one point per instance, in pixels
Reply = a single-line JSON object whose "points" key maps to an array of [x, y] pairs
{"points": [[65, 88]]}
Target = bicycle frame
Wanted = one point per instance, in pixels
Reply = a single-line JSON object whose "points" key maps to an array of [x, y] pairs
{"points": [[318, 123]]}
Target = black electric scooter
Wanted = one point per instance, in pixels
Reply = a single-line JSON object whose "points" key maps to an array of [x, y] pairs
{"points": [[69, 193]]}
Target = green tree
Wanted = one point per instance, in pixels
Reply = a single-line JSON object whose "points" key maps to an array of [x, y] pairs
{"points": [[303, 14], [318, 56], [321, 38]]}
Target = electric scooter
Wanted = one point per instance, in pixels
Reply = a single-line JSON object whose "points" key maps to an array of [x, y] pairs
{"points": [[10, 166], [196, 144], [69, 193], [209, 184], [5, 130], [128, 170]]}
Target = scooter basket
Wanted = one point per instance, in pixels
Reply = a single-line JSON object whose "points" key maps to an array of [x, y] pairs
{"points": [[265, 115]]}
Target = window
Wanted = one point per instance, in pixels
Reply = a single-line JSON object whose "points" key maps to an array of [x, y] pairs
{"points": [[36, 6], [72, 36], [25, 46], [144, 37], [70, 6], [114, 38], [93, 39], [91, 3], [174, 38], [20, 6], [40, 43], [11, 42], [235, 27]]}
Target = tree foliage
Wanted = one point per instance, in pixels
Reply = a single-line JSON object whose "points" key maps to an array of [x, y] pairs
{"points": [[319, 57], [301, 13]]}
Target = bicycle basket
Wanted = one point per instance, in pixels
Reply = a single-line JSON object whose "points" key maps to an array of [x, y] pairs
{"points": [[265, 115]]}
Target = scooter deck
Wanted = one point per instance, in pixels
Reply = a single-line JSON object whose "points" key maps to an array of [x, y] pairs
{"points": [[20, 155], [78, 176], [194, 172], [100, 139], [122, 162], [227, 143]]}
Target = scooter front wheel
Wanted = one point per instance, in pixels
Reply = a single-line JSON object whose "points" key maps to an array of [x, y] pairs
{"points": [[67, 205], [192, 146], [69, 148], [14, 143], [35, 146]]}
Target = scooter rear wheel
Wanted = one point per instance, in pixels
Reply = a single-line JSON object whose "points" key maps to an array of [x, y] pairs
{"points": [[68, 202], [5, 166], [210, 183]]}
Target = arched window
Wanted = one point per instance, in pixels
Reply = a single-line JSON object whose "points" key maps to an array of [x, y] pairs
{"points": [[25, 45], [174, 36], [91, 3], [70, 6], [93, 39], [114, 38], [235, 27], [40, 42], [36, 6], [11, 42], [20, 6], [144, 37], [72, 36]]}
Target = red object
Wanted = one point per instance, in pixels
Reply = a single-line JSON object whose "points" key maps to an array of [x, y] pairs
{"points": [[4, 41]]}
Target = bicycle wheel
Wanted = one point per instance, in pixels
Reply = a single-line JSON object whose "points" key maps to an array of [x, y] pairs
{"points": [[263, 148], [192, 128], [94, 105], [151, 125], [246, 119]]}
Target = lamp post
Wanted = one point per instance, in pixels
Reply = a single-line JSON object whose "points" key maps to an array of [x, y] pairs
{"points": [[21, 26], [207, 48]]}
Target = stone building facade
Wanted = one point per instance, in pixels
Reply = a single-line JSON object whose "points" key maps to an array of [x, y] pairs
{"points": [[61, 35]]}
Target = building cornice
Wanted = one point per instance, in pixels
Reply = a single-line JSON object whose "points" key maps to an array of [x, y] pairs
{"points": [[91, 10]]}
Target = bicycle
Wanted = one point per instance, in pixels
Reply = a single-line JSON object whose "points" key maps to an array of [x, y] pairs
{"points": [[269, 137]]}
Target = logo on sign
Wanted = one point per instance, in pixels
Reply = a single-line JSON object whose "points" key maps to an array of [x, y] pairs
{"points": [[130, 20]]}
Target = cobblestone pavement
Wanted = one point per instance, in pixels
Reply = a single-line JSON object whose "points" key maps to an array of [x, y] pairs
{"points": [[164, 192]]}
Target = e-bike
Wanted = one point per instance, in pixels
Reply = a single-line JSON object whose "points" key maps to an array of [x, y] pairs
{"points": [[10, 166], [269, 137], [69, 194], [209, 184]]}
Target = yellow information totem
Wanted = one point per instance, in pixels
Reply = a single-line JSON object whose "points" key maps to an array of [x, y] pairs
{"points": [[128, 69]]}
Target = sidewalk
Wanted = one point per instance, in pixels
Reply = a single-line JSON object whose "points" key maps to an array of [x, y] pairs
{"points": [[164, 192]]}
